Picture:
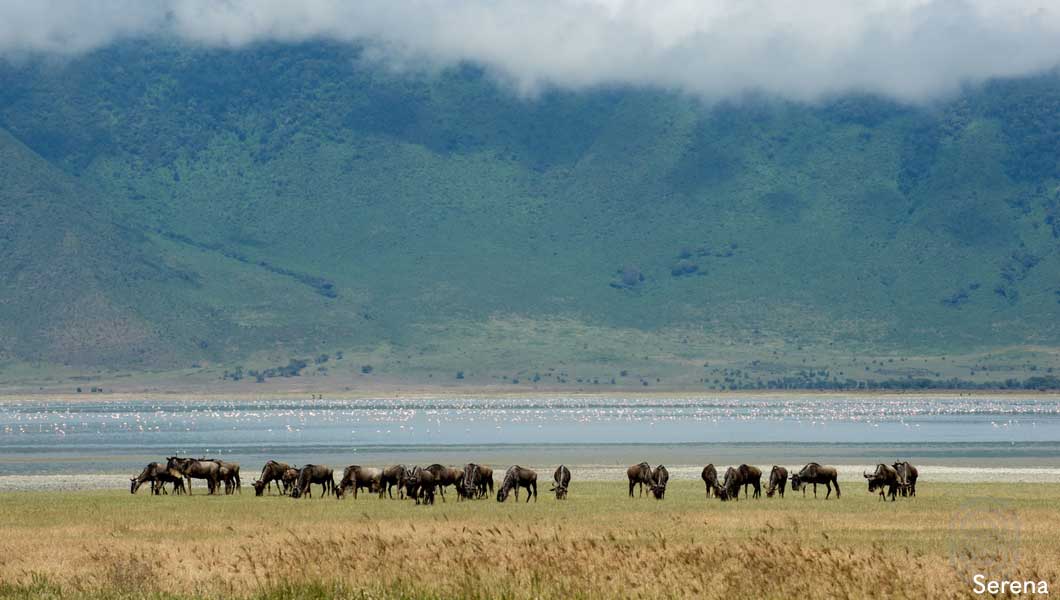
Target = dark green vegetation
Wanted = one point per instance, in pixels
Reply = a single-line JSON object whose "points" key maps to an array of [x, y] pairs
{"points": [[168, 208]]}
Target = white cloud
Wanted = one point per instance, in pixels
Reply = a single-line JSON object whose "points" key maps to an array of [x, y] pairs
{"points": [[907, 49]]}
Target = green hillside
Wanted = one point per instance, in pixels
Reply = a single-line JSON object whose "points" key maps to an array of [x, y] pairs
{"points": [[166, 207]]}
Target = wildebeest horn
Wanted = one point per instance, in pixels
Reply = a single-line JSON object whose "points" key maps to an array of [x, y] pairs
{"points": [[866, 475]]}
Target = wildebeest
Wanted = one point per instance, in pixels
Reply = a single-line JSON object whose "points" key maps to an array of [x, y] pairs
{"points": [[778, 480], [884, 480], [310, 474], [357, 477], [272, 471], [907, 475], [191, 468], [393, 476], [710, 479], [814, 473], [444, 476], [229, 475], [659, 477], [516, 477], [290, 478], [476, 481], [639, 474], [158, 476], [419, 485], [561, 482], [751, 476], [730, 486]]}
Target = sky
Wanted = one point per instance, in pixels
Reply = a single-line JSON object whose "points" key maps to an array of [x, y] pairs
{"points": [[909, 50]]}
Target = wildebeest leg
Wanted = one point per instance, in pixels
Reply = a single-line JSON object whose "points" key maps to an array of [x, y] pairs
{"points": [[815, 490], [535, 492], [836, 483], [758, 489], [631, 484], [828, 484]]}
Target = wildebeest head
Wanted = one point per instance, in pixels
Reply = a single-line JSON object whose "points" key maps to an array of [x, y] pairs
{"points": [[874, 482], [502, 494], [796, 482], [134, 484], [560, 490], [259, 487], [659, 491]]}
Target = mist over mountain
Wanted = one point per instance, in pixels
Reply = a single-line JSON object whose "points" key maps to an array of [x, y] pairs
{"points": [[169, 204]]}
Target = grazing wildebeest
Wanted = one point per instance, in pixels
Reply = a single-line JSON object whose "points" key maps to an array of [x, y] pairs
{"points": [[778, 480], [310, 474], [476, 482], [907, 475], [272, 471], [444, 476], [191, 468], [561, 482], [885, 479], [485, 481], [659, 477], [730, 487], [814, 473], [751, 476], [158, 476], [639, 474], [290, 478], [419, 485], [710, 479], [357, 477], [516, 477], [229, 475], [393, 476]]}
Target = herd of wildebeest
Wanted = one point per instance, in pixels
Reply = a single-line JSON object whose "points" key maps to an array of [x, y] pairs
{"points": [[475, 481]]}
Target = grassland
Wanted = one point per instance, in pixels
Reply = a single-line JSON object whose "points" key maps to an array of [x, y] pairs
{"points": [[599, 543]]}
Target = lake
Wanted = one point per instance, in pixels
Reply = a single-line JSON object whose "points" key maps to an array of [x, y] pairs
{"points": [[959, 437]]}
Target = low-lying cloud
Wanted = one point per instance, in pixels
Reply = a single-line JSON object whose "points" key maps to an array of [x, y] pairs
{"points": [[908, 49]]}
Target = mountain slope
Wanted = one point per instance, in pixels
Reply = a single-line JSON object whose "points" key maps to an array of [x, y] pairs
{"points": [[359, 207]]}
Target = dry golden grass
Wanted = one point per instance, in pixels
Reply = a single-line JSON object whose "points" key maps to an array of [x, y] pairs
{"points": [[598, 544]]}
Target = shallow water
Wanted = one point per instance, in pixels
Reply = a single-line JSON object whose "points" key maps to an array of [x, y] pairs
{"points": [[956, 436]]}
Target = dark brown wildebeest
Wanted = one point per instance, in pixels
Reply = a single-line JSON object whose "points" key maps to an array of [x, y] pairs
{"points": [[485, 481], [884, 480], [444, 476], [158, 476], [814, 473], [710, 479], [393, 476], [272, 471], [310, 474], [230, 476], [561, 482], [659, 478], [357, 477], [290, 478], [419, 485], [516, 477], [469, 482], [730, 487], [191, 468], [907, 475], [639, 474], [778, 480], [476, 482], [751, 476]]}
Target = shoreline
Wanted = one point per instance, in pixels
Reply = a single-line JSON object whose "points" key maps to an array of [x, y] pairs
{"points": [[428, 392], [849, 474]]}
